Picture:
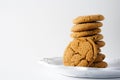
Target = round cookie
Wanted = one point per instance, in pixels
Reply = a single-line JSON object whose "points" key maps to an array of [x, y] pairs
{"points": [[100, 43], [100, 57], [86, 26], [80, 52], [88, 18], [86, 33], [101, 64], [95, 38]]}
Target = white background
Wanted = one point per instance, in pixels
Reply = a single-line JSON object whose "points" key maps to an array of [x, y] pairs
{"points": [[33, 29]]}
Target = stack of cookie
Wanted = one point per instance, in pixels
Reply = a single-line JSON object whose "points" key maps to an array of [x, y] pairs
{"points": [[85, 50]]}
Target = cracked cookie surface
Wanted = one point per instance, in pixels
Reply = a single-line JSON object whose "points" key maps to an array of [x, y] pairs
{"points": [[80, 52]]}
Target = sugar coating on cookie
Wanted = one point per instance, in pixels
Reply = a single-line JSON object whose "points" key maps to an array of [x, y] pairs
{"points": [[86, 33], [86, 26], [80, 52], [88, 18]]}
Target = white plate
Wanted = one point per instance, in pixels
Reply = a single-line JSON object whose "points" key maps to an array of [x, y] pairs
{"points": [[56, 65]]}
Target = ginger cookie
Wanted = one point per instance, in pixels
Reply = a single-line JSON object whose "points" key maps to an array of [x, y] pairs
{"points": [[95, 38], [100, 57], [100, 43], [101, 64], [86, 26], [80, 52], [88, 18], [86, 33]]}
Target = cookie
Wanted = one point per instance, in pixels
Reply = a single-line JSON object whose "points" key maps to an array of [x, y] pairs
{"points": [[80, 52], [101, 64], [86, 26], [100, 57], [100, 43], [86, 33], [88, 18], [95, 38]]}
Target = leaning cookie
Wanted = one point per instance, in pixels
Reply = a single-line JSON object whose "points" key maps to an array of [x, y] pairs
{"points": [[86, 33], [80, 52], [86, 26], [88, 18], [101, 64]]}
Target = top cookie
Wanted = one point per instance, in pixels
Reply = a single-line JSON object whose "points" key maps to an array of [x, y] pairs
{"points": [[88, 18]]}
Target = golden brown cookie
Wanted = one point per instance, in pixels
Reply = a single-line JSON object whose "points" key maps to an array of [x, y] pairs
{"points": [[101, 64], [86, 33], [100, 57], [95, 38], [80, 52], [86, 26], [100, 43], [88, 18]]}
